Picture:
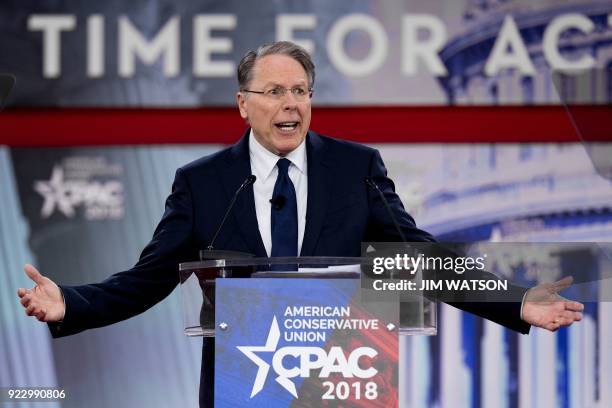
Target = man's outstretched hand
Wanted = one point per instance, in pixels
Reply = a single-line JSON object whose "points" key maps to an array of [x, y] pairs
{"points": [[544, 307], [44, 301]]}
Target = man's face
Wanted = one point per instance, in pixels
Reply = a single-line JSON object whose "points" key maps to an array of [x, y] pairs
{"points": [[279, 125]]}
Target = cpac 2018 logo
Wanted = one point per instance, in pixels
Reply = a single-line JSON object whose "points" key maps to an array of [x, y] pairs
{"points": [[99, 199], [310, 358]]}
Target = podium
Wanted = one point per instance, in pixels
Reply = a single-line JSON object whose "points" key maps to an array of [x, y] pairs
{"points": [[301, 331], [417, 314]]}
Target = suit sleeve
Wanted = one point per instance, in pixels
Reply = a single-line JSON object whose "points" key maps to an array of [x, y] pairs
{"points": [[381, 229], [154, 276]]}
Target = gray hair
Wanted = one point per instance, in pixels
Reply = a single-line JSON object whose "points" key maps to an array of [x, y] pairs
{"points": [[245, 67]]}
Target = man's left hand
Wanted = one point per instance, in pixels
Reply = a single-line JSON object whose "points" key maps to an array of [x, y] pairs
{"points": [[544, 307]]}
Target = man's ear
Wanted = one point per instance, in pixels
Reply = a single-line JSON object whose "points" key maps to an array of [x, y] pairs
{"points": [[242, 102]]}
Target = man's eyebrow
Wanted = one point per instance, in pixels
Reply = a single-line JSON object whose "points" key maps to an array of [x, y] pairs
{"points": [[275, 84]]}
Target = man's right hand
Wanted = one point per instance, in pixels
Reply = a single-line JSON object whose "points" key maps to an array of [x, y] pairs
{"points": [[44, 301]]}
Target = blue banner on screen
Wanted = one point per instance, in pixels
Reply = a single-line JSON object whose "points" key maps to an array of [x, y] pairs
{"points": [[300, 342], [186, 52]]}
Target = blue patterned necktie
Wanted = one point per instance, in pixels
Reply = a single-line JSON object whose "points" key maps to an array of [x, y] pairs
{"points": [[284, 214]]}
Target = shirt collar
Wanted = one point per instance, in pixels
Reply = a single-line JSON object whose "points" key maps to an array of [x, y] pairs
{"points": [[263, 161]]}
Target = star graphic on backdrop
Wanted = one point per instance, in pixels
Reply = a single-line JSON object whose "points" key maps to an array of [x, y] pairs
{"points": [[263, 367], [55, 193]]}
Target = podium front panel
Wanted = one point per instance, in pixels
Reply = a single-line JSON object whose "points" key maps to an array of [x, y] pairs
{"points": [[303, 342]]}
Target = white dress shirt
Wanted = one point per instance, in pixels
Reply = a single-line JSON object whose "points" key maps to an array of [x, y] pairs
{"points": [[263, 166]]}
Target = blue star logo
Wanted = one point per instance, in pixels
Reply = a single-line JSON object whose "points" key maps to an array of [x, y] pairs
{"points": [[263, 366], [55, 193]]}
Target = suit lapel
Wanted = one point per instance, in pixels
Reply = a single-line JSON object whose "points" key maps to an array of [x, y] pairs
{"points": [[319, 189], [238, 167]]}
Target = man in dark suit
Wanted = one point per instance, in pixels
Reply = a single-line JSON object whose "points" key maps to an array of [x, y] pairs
{"points": [[326, 209]]}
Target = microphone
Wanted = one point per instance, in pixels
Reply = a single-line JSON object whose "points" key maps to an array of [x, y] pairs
{"points": [[247, 182], [278, 202], [7, 81], [370, 183]]}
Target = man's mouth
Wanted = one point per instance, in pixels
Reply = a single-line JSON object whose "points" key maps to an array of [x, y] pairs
{"points": [[287, 126]]}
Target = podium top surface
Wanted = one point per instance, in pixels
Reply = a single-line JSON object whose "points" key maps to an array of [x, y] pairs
{"points": [[301, 262]]}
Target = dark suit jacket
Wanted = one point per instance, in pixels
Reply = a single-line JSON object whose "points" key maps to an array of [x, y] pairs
{"points": [[341, 214]]}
